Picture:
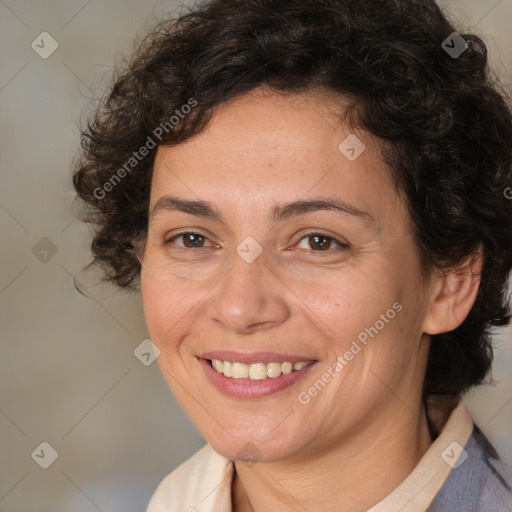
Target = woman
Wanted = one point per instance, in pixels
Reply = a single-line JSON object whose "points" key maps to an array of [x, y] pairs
{"points": [[312, 195]]}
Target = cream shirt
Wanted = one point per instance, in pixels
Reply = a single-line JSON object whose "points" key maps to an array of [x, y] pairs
{"points": [[203, 482]]}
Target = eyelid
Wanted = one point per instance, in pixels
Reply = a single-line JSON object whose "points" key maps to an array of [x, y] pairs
{"points": [[342, 244], [168, 239]]}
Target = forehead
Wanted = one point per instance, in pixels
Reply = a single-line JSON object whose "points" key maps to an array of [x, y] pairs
{"points": [[264, 127], [266, 148]]}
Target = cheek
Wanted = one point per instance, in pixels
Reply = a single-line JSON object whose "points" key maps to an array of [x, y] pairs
{"points": [[167, 309], [325, 305], [366, 318], [347, 306]]}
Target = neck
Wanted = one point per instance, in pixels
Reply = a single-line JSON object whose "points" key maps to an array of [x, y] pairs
{"points": [[358, 471]]}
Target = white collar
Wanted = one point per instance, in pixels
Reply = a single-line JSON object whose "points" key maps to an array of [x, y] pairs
{"points": [[203, 482]]}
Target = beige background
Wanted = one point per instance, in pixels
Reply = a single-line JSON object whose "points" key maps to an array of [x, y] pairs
{"points": [[68, 375]]}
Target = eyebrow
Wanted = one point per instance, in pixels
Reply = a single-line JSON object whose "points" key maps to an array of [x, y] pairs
{"points": [[278, 213]]}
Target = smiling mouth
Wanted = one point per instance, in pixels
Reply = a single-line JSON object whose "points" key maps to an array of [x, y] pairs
{"points": [[256, 371]]}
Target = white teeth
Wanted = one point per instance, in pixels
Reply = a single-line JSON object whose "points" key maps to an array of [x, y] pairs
{"points": [[273, 370], [227, 369], [256, 371], [240, 371], [217, 365], [287, 368]]}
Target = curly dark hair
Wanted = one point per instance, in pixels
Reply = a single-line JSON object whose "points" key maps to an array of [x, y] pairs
{"points": [[443, 118]]}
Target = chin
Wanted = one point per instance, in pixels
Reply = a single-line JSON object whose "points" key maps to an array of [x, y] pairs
{"points": [[253, 448]]}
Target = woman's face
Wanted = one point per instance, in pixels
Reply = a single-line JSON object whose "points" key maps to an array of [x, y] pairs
{"points": [[275, 274]]}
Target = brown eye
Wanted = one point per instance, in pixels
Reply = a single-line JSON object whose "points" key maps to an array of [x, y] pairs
{"points": [[193, 240], [320, 242], [190, 240]]}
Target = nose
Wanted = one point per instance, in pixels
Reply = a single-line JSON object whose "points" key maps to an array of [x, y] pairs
{"points": [[249, 298]]}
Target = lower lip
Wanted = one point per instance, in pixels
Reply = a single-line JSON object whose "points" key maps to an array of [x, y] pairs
{"points": [[247, 388]]}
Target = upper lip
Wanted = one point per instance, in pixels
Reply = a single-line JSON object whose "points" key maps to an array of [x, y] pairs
{"points": [[253, 357]]}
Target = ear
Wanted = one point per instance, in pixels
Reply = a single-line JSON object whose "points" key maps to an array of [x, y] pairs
{"points": [[453, 295]]}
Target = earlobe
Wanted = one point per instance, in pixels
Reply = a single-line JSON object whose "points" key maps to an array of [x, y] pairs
{"points": [[453, 295]]}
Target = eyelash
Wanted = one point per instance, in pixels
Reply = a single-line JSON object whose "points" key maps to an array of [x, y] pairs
{"points": [[341, 245]]}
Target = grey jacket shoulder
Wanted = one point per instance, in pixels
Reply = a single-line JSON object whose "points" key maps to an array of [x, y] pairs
{"points": [[481, 483]]}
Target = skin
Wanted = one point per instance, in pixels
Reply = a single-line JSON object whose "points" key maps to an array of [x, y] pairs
{"points": [[365, 431]]}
